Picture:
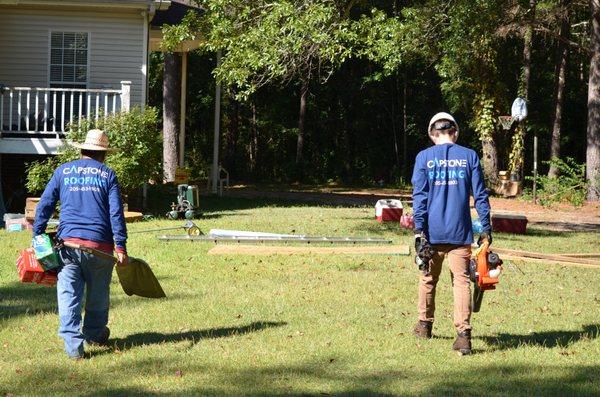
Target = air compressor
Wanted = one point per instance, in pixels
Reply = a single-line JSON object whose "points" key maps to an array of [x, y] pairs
{"points": [[188, 203]]}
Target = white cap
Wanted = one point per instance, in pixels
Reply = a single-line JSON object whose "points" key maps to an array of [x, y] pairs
{"points": [[442, 116]]}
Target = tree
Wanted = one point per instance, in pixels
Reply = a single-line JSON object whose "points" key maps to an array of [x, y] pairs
{"points": [[560, 81], [517, 155], [171, 112], [593, 127], [463, 44]]}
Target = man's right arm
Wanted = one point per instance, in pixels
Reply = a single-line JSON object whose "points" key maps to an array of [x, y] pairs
{"points": [[420, 194], [46, 205], [480, 195]]}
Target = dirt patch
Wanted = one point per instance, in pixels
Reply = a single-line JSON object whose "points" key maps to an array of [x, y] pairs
{"points": [[560, 217]]}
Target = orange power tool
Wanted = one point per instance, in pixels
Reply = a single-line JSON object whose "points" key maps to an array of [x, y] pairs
{"points": [[484, 270]]}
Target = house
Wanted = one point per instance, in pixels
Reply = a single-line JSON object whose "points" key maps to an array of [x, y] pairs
{"points": [[62, 60]]}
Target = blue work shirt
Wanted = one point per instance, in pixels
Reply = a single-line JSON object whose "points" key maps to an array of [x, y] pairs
{"points": [[90, 203], [443, 179]]}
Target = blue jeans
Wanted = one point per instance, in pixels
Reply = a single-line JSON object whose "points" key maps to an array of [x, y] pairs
{"points": [[81, 270]]}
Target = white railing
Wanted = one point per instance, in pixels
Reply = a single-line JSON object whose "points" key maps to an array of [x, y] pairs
{"points": [[49, 111]]}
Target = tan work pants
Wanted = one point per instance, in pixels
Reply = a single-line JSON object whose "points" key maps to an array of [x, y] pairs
{"points": [[458, 261]]}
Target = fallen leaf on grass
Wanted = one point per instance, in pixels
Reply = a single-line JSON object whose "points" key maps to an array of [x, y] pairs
{"points": [[566, 353]]}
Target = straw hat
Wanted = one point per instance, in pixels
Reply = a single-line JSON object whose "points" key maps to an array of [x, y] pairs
{"points": [[95, 140]]}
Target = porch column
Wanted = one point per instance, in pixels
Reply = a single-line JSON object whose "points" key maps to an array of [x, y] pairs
{"points": [[125, 96]]}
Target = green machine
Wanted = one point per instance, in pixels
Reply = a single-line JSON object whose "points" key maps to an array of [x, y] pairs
{"points": [[188, 203]]}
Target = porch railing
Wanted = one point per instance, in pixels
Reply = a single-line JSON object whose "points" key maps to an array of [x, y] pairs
{"points": [[47, 112]]}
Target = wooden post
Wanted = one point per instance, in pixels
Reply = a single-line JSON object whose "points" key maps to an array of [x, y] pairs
{"points": [[125, 96]]}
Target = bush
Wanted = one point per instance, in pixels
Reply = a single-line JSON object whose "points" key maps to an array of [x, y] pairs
{"points": [[137, 136], [569, 187]]}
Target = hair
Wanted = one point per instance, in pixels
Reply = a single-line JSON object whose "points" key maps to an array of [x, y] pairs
{"points": [[98, 155]]}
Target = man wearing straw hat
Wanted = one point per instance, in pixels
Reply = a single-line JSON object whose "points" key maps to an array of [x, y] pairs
{"points": [[91, 215]]}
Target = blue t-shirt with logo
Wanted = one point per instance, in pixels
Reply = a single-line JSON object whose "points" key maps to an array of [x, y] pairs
{"points": [[90, 203], [443, 179]]}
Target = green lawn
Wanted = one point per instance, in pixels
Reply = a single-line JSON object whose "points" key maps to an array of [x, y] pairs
{"points": [[308, 325]]}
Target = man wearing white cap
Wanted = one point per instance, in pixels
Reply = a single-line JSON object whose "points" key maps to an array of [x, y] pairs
{"points": [[444, 177], [91, 215]]}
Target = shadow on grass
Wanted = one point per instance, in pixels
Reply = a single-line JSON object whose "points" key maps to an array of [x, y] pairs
{"points": [[18, 299], [548, 339], [150, 338], [568, 226], [535, 232], [318, 377]]}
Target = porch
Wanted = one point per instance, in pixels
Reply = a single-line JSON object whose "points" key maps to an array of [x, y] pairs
{"points": [[35, 120]]}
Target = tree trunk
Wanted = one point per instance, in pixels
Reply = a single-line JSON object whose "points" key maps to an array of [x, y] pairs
{"points": [[301, 127], [405, 170], [233, 129], [517, 155], [490, 161], [593, 127], [171, 114], [561, 66], [253, 142], [484, 112], [527, 44]]}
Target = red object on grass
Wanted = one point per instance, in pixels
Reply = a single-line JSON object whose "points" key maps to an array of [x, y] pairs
{"points": [[509, 223], [407, 221], [30, 270], [388, 210]]}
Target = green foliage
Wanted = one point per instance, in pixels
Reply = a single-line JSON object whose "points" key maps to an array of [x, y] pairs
{"points": [[569, 187], [135, 134], [280, 41], [465, 56], [190, 28]]}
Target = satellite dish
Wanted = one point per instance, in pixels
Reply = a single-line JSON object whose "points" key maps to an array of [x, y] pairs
{"points": [[518, 110]]}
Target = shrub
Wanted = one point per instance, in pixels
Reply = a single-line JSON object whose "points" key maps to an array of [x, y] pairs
{"points": [[569, 187], [135, 134]]}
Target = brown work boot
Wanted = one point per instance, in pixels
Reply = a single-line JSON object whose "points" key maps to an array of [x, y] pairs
{"points": [[423, 329], [462, 344]]}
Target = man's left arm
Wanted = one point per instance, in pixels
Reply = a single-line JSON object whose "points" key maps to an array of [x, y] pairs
{"points": [[117, 218], [480, 196]]}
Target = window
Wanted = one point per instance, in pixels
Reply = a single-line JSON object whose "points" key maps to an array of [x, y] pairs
{"points": [[69, 59]]}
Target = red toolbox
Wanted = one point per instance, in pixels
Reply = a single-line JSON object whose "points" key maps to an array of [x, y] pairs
{"points": [[30, 270], [388, 210], [509, 223]]}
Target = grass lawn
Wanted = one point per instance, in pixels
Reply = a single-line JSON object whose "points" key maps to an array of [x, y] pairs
{"points": [[308, 325]]}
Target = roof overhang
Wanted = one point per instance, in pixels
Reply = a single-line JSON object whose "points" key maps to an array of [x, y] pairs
{"points": [[128, 4], [173, 15]]}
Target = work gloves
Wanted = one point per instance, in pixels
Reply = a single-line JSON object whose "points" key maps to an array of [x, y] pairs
{"points": [[423, 252], [485, 235]]}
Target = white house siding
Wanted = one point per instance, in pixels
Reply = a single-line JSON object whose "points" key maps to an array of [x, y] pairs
{"points": [[116, 45]]}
